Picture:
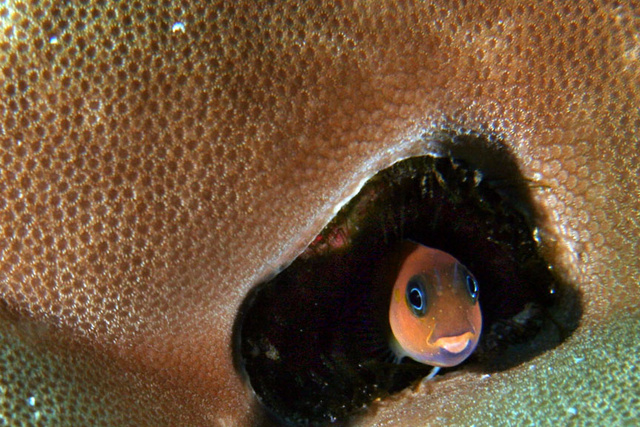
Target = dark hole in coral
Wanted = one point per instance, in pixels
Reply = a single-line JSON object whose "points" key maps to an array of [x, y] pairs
{"points": [[308, 339]]}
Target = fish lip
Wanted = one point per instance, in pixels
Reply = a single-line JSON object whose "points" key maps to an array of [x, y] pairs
{"points": [[448, 358], [456, 347]]}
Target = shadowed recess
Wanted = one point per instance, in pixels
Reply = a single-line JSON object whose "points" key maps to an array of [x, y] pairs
{"points": [[312, 340]]}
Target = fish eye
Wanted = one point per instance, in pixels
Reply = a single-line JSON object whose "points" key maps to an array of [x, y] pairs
{"points": [[417, 296], [472, 287]]}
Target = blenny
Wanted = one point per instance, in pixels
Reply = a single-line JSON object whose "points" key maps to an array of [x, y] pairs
{"points": [[434, 312]]}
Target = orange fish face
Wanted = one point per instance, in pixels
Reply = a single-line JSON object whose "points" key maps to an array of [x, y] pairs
{"points": [[434, 311]]}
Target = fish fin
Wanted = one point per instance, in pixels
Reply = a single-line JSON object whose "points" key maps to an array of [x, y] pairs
{"points": [[366, 336], [433, 373]]}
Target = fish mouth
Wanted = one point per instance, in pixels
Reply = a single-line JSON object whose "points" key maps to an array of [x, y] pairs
{"points": [[455, 344]]}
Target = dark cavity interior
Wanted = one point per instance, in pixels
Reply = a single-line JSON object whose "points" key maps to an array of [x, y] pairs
{"points": [[308, 340]]}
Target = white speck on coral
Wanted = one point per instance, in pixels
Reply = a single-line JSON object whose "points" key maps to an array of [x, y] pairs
{"points": [[177, 26]]}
